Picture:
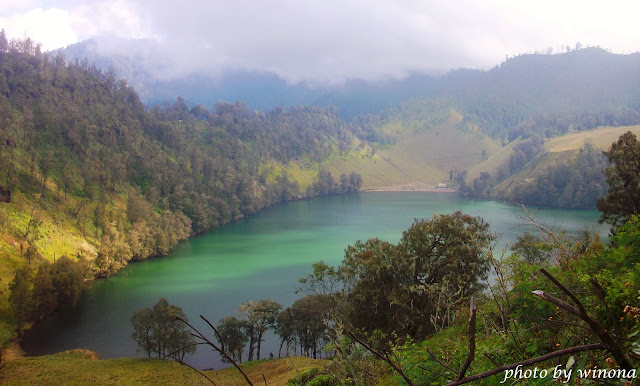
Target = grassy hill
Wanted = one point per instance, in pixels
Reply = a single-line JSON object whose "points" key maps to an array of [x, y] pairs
{"points": [[81, 367], [602, 137], [424, 152], [556, 149]]}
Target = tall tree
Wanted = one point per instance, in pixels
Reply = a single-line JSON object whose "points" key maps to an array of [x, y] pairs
{"points": [[623, 176], [158, 332], [261, 316], [232, 331], [20, 298]]}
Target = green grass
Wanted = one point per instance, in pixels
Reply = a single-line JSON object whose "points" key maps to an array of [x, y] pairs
{"points": [[81, 367], [422, 155]]}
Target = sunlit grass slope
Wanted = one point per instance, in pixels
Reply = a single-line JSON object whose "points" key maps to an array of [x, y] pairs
{"points": [[602, 137], [422, 156], [81, 367]]}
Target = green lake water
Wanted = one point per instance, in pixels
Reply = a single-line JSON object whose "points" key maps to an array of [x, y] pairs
{"points": [[263, 257]]}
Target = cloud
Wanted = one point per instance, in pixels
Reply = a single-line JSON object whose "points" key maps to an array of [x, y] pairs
{"points": [[330, 41], [50, 27]]}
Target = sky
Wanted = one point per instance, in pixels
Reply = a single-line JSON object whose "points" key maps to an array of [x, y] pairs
{"points": [[329, 41]]}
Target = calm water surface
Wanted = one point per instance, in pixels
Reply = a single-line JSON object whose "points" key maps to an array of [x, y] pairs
{"points": [[262, 257]]}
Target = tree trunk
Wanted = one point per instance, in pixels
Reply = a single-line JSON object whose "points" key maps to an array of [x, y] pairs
{"points": [[251, 344], [259, 343]]}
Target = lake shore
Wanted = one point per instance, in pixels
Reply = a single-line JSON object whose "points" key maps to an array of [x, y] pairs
{"points": [[411, 188]]}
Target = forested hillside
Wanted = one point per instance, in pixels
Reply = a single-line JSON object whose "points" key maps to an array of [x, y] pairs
{"points": [[88, 173]]}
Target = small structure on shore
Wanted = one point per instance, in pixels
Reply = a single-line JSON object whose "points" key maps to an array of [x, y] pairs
{"points": [[441, 186]]}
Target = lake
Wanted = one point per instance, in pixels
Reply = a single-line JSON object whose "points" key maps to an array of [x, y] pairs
{"points": [[263, 257]]}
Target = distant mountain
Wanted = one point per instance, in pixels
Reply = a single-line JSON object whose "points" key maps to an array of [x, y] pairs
{"points": [[526, 88]]}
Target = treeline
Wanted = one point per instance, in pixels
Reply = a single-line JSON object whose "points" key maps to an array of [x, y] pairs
{"points": [[138, 181], [324, 184], [300, 327], [502, 117]]}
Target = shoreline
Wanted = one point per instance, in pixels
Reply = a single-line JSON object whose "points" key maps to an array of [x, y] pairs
{"points": [[410, 188]]}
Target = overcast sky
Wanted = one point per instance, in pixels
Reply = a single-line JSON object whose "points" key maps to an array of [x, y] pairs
{"points": [[328, 41]]}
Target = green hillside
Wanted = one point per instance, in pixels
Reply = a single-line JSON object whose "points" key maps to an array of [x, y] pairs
{"points": [[88, 174], [427, 144], [565, 171]]}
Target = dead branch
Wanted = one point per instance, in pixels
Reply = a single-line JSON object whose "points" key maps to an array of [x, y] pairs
{"points": [[560, 303], [595, 346], [544, 232], [220, 350], [598, 329]]}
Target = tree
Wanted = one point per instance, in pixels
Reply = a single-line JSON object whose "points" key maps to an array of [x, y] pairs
{"points": [[531, 248], [67, 278], [285, 329], [623, 177], [308, 315], [20, 298], [4, 44], [396, 288], [261, 316], [232, 337], [45, 297], [157, 331]]}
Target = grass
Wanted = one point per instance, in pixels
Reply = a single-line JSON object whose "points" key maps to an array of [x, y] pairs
{"points": [[80, 367], [602, 137], [422, 155]]}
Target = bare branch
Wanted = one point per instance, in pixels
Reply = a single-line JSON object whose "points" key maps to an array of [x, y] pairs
{"points": [[595, 325], [214, 330], [214, 346], [560, 303], [491, 359], [196, 370], [595, 346]]}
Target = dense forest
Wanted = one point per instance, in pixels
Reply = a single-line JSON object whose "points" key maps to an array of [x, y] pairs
{"points": [[80, 155]]}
